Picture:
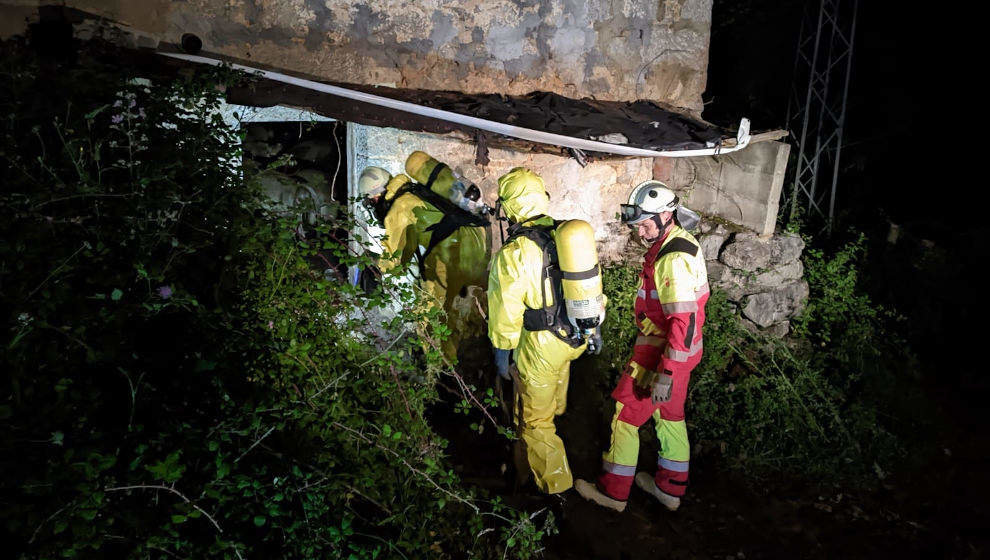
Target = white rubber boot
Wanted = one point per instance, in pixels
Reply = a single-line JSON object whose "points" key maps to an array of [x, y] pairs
{"points": [[645, 481], [590, 492]]}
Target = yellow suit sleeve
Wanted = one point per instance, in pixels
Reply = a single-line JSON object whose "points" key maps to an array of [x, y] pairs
{"points": [[508, 282], [401, 237]]}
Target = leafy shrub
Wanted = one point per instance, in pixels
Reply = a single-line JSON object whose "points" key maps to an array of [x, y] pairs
{"points": [[619, 329], [182, 376]]}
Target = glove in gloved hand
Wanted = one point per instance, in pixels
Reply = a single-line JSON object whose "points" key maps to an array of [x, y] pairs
{"points": [[656, 386], [663, 388], [502, 363], [595, 342], [643, 386]]}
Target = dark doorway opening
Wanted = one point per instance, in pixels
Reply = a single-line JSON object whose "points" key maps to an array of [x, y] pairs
{"points": [[303, 165]]}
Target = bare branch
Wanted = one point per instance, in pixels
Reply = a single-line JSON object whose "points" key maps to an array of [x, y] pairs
{"points": [[253, 445], [167, 489], [88, 195], [58, 268], [369, 498], [50, 517], [409, 466]]}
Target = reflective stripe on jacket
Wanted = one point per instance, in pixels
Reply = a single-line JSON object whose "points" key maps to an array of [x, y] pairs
{"points": [[670, 303]]}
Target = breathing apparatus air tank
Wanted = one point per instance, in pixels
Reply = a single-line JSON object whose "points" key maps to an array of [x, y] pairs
{"points": [[421, 167], [580, 277]]}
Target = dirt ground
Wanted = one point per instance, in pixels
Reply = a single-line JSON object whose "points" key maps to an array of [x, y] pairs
{"points": [[940, 512]]}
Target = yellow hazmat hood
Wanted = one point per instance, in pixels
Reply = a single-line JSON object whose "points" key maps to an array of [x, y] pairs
{"points": [[393, 186], [522, 194]]}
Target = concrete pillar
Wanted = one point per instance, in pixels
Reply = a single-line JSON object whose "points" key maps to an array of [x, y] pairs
{"points": [[742, 187]]}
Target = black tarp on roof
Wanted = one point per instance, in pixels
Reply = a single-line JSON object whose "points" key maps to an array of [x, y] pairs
{"points": [[643, 124]]}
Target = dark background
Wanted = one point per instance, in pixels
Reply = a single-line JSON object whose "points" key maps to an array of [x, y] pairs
{"points": [[912, 156], [901, 128]]}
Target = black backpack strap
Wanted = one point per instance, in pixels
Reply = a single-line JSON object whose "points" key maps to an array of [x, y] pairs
{"points": [[549, 317], [454, 217], [541, 318], [447, 207], [383, 206], [434, 174], [520, 228], [446, 227]]}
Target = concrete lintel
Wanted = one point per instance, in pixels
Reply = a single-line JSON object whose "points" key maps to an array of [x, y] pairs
{"points": [[236, 115]]}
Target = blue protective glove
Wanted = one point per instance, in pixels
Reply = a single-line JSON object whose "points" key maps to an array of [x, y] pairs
{"points": [[502, 363]]}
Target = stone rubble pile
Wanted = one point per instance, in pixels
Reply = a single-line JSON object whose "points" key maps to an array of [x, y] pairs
{"points": [[763, 276]]}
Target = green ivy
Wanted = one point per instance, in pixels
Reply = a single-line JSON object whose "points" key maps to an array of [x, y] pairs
{"points": [[619, 329]]}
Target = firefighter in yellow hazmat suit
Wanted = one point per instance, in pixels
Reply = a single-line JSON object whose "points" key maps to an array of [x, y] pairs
{"points": [[516, 283], [371, 186], [399, 220], [412, 214]]}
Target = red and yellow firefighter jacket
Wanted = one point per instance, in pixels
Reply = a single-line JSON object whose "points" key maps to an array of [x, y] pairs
{"points": [[670, 304]]}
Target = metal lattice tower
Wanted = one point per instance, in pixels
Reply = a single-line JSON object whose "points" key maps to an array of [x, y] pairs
{"points": [[816, 108]]}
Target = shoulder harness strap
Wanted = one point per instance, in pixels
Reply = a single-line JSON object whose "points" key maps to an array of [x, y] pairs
{"points": [[454, 217], [678, 245], [551, 317]]}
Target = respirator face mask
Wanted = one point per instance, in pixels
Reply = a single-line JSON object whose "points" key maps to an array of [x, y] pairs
{"points": [[467, 196]]}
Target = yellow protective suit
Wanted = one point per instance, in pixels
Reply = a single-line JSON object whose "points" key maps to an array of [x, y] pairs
{"points": [[456, 262], [542, 358]]}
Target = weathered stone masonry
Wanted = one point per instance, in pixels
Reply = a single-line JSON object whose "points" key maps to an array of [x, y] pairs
{"points": [[762, 275], [606, 49]]}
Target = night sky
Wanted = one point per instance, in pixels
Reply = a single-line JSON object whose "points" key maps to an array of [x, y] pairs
{"points": [[903, 100]]}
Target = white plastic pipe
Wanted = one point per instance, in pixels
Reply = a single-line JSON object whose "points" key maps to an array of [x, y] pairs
{"points": [[742, 137]]}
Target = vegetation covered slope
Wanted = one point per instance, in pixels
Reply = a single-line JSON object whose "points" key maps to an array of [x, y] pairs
{"points": [[181, 377]]}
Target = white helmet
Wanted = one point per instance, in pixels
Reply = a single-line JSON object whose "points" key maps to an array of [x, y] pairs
{"points": [[373, 180], [651, 198], [648, 199]]}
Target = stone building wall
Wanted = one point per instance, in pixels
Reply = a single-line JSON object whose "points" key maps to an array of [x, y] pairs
{"points": [[607, 49], [592, 193]]}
